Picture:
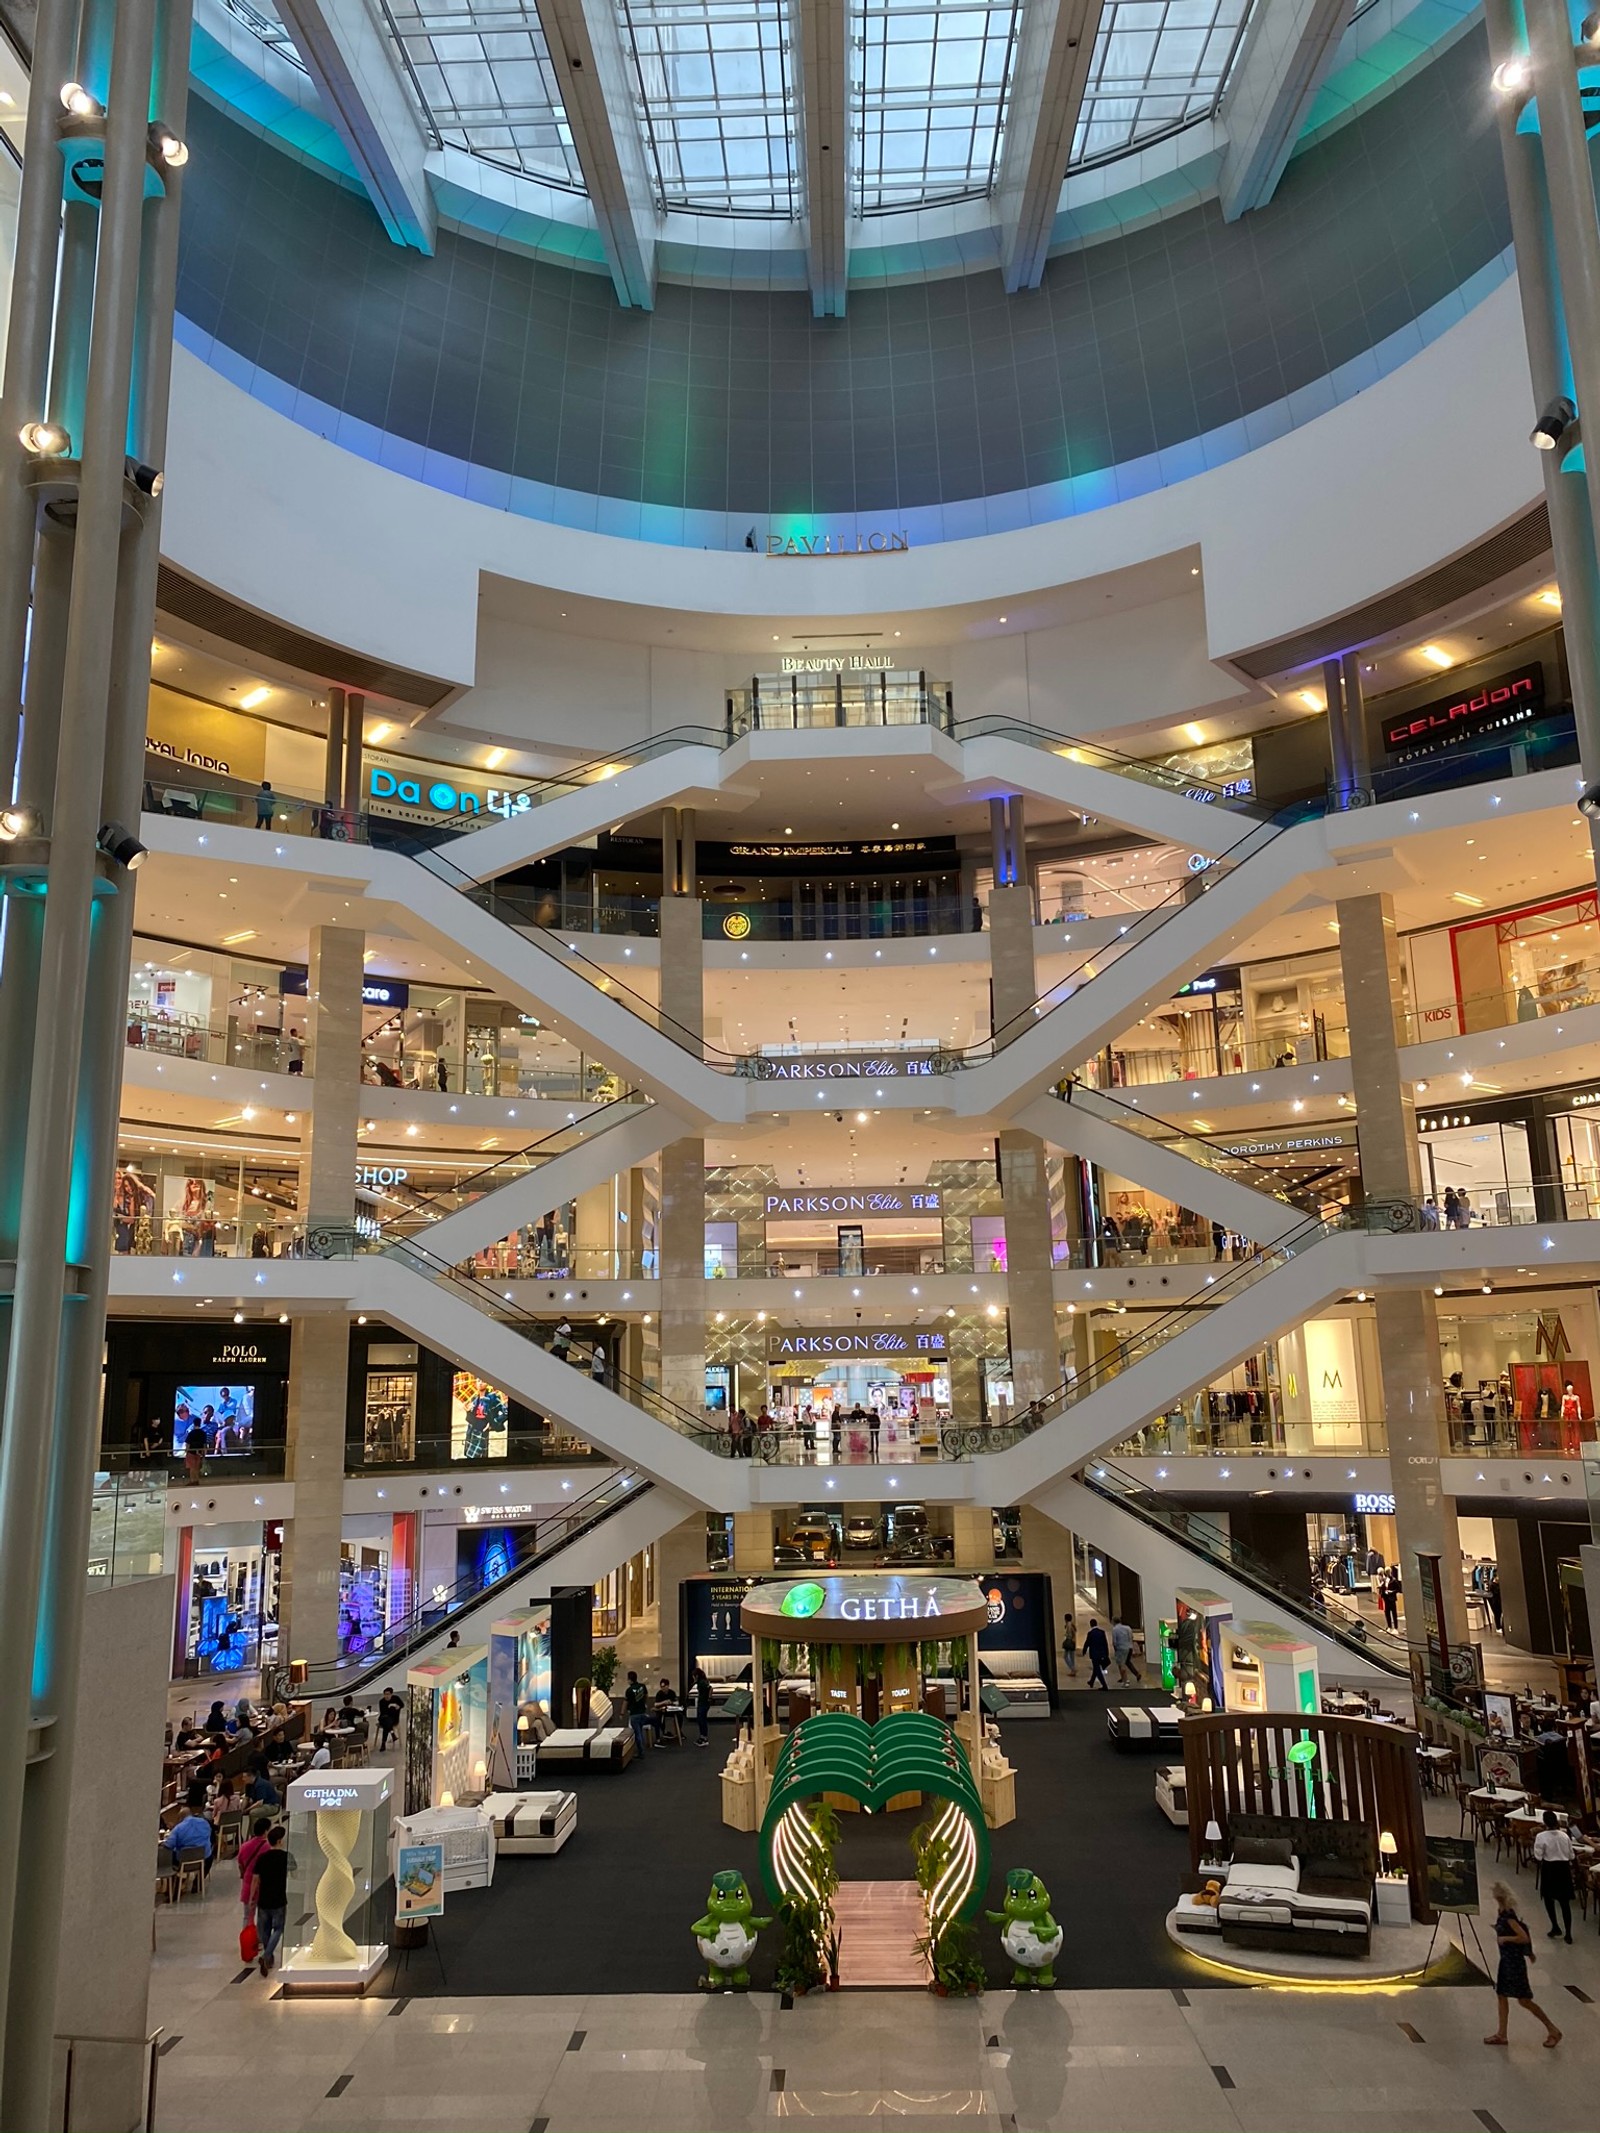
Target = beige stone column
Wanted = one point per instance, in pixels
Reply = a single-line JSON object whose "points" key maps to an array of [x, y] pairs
{"points": [[308, 1610], [1408, 1326], [1024, 1184], [753, 1534], [972, 1530], [683, 1173]]}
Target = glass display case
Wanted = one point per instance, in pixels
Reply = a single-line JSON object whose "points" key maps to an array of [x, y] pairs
{"points": [[335, 1938]]}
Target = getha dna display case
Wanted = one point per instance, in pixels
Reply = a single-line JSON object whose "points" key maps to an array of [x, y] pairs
{"points": [[335, 1938]]}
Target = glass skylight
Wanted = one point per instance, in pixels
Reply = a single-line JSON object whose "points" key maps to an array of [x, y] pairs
{"points": [[929, 84], [716, 101], [1158, 65], [482, 70]]}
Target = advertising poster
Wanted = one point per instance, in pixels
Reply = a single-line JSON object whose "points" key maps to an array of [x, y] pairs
{"points": [[419, 1882], [1453, 1874]]}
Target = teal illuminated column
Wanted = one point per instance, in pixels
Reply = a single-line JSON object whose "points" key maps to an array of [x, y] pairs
{"points": [[1408, 1326]]}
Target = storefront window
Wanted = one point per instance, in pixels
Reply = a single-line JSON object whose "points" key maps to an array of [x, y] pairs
{"points": [[479, 1418], [389, 1431], [1488, 1163]]}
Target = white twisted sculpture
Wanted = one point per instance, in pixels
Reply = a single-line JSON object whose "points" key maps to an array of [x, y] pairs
{"points": [[337, 1828]]}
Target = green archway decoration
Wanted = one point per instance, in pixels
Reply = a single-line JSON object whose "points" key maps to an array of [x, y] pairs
{"points": [[907, 1751]]}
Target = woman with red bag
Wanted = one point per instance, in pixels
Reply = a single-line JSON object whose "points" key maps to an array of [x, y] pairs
{"points": [[251, 1849]]}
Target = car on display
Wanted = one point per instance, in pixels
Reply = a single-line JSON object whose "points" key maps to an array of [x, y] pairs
{"points": [[813, 1538], [861, 1530]]}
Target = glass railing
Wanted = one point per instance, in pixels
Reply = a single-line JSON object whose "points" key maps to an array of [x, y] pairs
{"points": [[1544, 744], [408, 1209], [127, 1526], [1167, 777], [1200, 1148], [187, 1037], [521, 797], [865, 700], [1323, 1609], [523, 1551], [1264, 1435]]}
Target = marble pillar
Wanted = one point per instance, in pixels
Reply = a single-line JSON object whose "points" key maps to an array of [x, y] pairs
{"points": [[683, 1173], [308, 1607], [1408, 1326], [1024, 1182]]}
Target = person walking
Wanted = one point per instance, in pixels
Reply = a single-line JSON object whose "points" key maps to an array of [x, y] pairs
{"points": [[266, 802], [1097, 1651], [295, 1051], [636, 1703], [874, 1426], [270, 1882], [1389, 1595], [1069, 1644], [700, 1690], [562, 1343], [1122, 1652], [1493, 1595], [1511, 1979], [249, 1852], [597, 1364], [389, 1708], [1552, 1859]]}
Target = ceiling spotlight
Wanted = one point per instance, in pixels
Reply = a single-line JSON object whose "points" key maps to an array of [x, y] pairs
{"points": [[76, 99], [1512, 76], [1590, 33], [149, 481], [18, 822], [1589, 801], [45, 440], [1552, 425], [168, 148], [121, 845]]}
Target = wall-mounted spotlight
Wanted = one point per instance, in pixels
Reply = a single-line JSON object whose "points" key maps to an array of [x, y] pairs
{"points": [[149, 480], [168, 148], [45, 440], [76, 99], [18, 822], [1512, 76], [121, 845], [1589, 801], [1552, 425], [1590, 33]]}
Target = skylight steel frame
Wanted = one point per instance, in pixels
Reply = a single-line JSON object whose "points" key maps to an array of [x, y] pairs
{"points": [[497, 130], [1200, 85], [940, 28], [681, 122]]}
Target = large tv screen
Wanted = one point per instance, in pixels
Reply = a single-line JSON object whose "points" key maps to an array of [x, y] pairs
{"points": [[224, 1414]]}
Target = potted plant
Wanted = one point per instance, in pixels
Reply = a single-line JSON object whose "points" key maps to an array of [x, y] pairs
{"points": [[603, 1667], [803, 1964]]}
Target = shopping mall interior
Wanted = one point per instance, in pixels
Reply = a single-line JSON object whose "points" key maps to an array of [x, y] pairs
{"points": [[862, 1251]]}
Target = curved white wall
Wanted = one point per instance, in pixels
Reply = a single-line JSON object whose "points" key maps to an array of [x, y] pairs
{"points": [[1415, 469]]}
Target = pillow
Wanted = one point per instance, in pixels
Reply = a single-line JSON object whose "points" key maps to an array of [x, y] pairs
{"points": [[1263, 1851]]}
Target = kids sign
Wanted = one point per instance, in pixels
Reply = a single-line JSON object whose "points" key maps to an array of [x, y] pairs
{"points": [[864, 1607]]}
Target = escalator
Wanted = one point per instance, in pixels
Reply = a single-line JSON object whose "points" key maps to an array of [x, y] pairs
{"points": [[1324, 1614], [537, 1557]]}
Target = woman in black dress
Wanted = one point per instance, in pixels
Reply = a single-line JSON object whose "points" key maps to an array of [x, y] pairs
{"points": [[1511, 1979]]}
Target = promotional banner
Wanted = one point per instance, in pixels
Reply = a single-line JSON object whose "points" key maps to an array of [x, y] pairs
{"points": [[419, 1882]]}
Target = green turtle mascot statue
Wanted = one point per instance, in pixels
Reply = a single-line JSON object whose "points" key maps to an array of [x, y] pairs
{"points": [[1031, 1938], [726, 1936]]}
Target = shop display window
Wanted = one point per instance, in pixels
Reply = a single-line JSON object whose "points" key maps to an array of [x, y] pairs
{"points": [[480, 1417], [363, 1598], [1490, 1163], [389, 1432]]}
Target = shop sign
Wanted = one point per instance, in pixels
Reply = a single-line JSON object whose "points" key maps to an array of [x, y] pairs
{"points": [[1442, 1121], [1293, 1143], [380, 1175], [855, 1200], [477, 1514], [1223, 980], [864, 1598], [1234, 789], [1331, 1372], [849, 1066], [375, 992], [875, 542], [1507, 700], [821, 1344], [399, 787], [882, 848], [205, 737], [837, 663], [1376, 1503], [239, 1355]]}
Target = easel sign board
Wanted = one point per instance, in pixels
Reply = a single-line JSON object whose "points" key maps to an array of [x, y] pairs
{"points": [[1453, 1874], [419, 1882]]}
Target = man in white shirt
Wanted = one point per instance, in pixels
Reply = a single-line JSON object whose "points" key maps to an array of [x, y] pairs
{"points": [[322, 1754], [1552, 1854]]}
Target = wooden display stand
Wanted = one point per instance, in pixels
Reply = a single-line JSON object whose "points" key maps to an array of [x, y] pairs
{"points": [[999, 1796]]}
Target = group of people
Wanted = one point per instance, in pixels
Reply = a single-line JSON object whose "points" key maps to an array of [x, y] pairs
{"points": [[648, 1715], [1458, 1211], [1100, 1650]]}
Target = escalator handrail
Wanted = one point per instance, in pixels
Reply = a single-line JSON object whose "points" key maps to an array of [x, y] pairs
{"points": [[1194, 1530], [993, 725], [477, 1184], [1159, 1131], [470, 820], [424, 1622]]}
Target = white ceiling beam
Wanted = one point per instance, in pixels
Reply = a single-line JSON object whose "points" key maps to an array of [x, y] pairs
{"points": [[820, 44], [595, 74], [363, 85], [1287, 51], [1055, 44]]}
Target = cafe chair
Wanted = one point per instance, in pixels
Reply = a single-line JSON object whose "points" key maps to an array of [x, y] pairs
{"points": [[166, 1876], [191, 1865]]}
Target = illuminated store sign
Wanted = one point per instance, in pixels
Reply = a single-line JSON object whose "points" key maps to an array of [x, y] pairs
{"points": [[380, 1176], [877, 542], [1377, 1504], [837, 663], [402, 787], [375, 992], [1292, 1143], [1234, 789], [856, 1200], [889, 849], [820, 1344], [858, 1598], [849, 1066], [1508, 700]]}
